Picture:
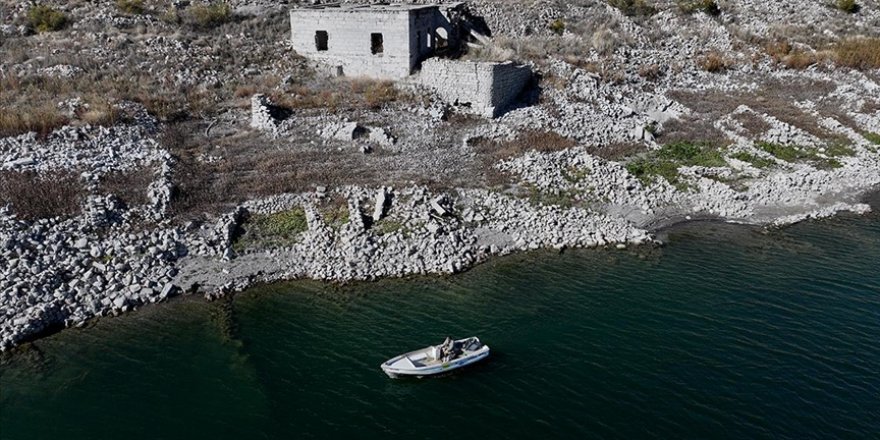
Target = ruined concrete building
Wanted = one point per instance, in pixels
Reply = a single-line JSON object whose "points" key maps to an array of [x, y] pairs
{"points": [[394, 41], [375, 40]]}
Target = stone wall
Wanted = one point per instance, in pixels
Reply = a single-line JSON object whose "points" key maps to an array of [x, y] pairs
{"points": [[483, 88]]}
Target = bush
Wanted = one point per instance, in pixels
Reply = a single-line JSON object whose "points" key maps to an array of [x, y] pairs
{"points": [[713, 62], [46, 18], [849, 6], [134, 7], [210, 15], [705, 6], [633, 8], [557, 26], [858, 53], [35, 196]]}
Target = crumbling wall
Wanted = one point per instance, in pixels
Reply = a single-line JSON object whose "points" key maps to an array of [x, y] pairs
{"points": [[483, 88]]}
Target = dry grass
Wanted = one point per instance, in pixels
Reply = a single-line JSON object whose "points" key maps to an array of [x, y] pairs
{"points": [[775, 98], [209, 15], [250, 170], [784, 53], [45, 195], [752, 123], [634, 8], [492, 151], [130, 186], [650, 71], [714, 62], [858, 53], [41, 118], [333, 94], [688, 128]]}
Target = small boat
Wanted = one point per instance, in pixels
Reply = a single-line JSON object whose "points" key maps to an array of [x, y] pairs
{"points": [[437, 359]]}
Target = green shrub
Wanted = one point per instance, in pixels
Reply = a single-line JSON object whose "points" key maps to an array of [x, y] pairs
{"points": [[387, 226], [134, 7], [558, 26], [633, 8], [872, 137], [792, 153], [839, 149], [788, 153], [666, 161], [646, 169], [284, 223], [46, 18], [756, 161], [693, 6], [336, 216], [849, 6], [692, 154], [271, 230], [210, 15]]}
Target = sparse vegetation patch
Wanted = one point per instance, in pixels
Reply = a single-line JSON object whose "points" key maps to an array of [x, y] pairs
{"points": [[634, 8], [848, 6], [557, 26], [209, 15], [755, 160], [858, 53], [272, 230], [43, 18], [41, 119], [666, 161], [35, 196], [714, 62], [873, 137], [693, 6], [794, 153], [134, 7]]}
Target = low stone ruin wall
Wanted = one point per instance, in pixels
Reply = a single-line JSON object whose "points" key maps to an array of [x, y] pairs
{"points": [[486, 88]]}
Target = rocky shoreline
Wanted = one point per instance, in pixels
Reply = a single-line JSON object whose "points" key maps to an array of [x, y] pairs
{"points": [[252, 167], [61, 273]]}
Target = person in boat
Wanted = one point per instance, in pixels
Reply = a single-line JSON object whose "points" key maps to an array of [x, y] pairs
{"points": [[445, 350]]}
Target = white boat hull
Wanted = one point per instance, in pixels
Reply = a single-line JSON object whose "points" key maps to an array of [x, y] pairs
{"points": [[419, 363]]}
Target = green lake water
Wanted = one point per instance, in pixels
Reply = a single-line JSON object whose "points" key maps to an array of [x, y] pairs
{"points": [[726, 332]]}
